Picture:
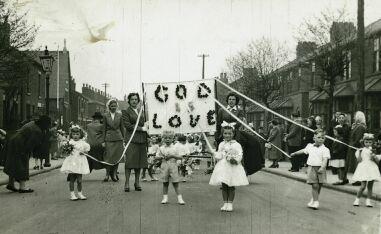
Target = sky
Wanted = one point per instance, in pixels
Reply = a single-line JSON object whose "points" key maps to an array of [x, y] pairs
{"points": [[127, 42]]}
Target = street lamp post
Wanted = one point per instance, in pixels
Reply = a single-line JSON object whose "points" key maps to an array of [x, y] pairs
{"points": [[47, 64]]}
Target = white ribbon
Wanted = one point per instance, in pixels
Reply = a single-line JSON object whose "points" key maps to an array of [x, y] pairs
{"points": [[247, 126], [226, 124], [125, 148], [281, 116]]}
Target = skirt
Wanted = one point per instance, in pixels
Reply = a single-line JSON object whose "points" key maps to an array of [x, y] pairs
{"points": [[113, 152], [232, 175], [366, 171], [75, 164], [337, 163], [136, 156]]}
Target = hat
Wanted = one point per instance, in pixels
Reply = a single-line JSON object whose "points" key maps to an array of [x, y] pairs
{"points": [[368, 136], [97, 115]]}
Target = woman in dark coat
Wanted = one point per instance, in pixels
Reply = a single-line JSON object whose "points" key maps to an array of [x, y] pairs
{"points": [[136, 155], [356, 134], [275, 138], [19, 148], [252, 156], [113, 139], [95, 139]]}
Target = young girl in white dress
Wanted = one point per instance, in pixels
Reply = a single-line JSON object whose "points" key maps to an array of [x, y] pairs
{"points": [[367, 170], [228, 171], [76, 165]]}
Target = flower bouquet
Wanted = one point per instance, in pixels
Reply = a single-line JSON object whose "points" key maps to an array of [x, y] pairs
{"points": [[231, 156], [67, 148]]}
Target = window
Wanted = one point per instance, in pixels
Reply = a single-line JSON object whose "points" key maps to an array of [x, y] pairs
{"points": [[39, 84], [300, 72], [313, 69], [376, 55], [347, 65]]}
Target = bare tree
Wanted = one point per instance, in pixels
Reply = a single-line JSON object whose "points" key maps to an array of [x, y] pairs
{"points": [[334, 32], [16, 37], [253, 70]]}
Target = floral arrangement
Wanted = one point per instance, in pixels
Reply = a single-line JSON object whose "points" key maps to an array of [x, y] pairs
{"points": [[67, 148], [184, 94], [193, 121], [210, 117], [154, 121], [177, 122], [231, 155], [205, 87], [159, 90]]}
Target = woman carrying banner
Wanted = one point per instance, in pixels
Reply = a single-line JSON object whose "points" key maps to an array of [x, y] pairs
{"points": [[113, 139], [252, 155], [136, 154]]}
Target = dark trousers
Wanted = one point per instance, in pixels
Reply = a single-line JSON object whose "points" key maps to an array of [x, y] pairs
{"points": [[296, 161]]}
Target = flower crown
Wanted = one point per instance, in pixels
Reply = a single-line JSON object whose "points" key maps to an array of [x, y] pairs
{"points": [[368, 136], [229, 125]]}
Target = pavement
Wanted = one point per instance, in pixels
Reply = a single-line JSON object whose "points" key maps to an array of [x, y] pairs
{"points": [[331, 178], [269, 204], [32, 172], [284, 166]]}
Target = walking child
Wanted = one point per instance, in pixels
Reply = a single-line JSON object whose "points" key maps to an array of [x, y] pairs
{"points": [[318, 156], [76, 165], [228, 171], [167, 152], [367, 170]]}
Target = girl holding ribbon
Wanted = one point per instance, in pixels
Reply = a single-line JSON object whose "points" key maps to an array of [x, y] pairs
{"points": [[252, 156]]}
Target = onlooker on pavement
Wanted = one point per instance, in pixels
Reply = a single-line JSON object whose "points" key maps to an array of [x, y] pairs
{"points": [[318, 156], [342, 121], [275, 138], [53, 141], [338, 153], [19, 147], [293, 139], [319, 122], [95, 138], [3, 136], [367, 171], [307, 137], [357, 132]]}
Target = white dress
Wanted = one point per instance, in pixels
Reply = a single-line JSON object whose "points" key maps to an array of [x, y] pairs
{"points": [[367, 169], [224, 171], [76, 163]]}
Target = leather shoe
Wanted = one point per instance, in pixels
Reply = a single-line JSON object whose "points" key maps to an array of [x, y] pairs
{"points": [[26, 190], [357, 183], [126, 190], [105, 179], [47, 165], [11, 188], [137, 188]]}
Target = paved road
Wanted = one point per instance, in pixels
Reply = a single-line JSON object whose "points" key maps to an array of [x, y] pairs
{"points": [[270, 204]]}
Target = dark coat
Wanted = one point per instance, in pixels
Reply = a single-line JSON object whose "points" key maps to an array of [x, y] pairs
{"points": [[222, 115], [338, 150], [356, 135], [95, 138], [129, 118], [113, 129], [294, 135], [19, 147]]}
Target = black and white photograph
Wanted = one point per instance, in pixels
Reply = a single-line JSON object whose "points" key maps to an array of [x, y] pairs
{"points": [[190, 116]]}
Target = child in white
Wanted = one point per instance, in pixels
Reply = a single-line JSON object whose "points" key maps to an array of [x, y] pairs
{"points": [[367, 170], [228, 171], [183, 151], [167, 152], [153, 146], [76, 163], [318, 156]]}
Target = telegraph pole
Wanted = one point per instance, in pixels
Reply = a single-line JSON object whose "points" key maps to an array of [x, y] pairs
{"points": [[361, 56], [203, 63], [105, 85]]}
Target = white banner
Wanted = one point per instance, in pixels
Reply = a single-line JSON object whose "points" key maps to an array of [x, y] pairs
{"points": [[183, 107]]}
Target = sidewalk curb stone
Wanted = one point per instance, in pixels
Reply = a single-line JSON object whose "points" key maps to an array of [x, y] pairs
{"points": [[353, 191]]}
